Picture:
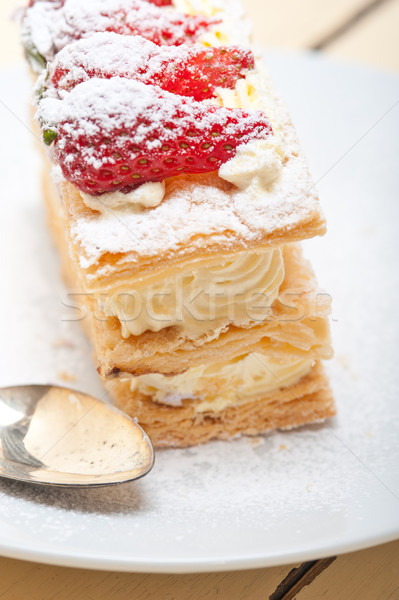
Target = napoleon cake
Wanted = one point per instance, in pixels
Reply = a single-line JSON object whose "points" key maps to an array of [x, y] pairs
{"points": [[178, 194]]}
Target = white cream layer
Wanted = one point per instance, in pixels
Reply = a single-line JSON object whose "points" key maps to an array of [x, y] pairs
{"points": [[147, 195], [203, 300], [218, 386]]}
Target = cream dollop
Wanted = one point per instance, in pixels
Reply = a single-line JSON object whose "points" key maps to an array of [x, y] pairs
{"points": [[147, 195], [223, 384], [203, 7], [244, 95], [259, 163], [256, 164], [203, 300]]}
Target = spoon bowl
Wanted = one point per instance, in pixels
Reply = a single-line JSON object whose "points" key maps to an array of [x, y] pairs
{"points": [[53, 435]]}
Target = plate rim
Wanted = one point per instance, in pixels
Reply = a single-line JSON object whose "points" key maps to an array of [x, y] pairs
{"points": [[109, 563]]}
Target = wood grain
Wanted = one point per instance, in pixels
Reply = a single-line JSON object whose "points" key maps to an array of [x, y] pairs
{"points": [[374, 40], [351, 22], [369, 575], [299, 577], [293, 24], [22, 580]]}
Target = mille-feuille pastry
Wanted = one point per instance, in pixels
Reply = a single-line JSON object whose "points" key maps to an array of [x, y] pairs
{"points": [[178, 191]]}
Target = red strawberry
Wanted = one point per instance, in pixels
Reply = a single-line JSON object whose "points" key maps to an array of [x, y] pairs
{"points": [[208, 69], [115, 134], [154, 24], [56, 26], [185, 70]]}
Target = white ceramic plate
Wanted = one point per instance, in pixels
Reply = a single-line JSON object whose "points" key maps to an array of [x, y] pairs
{"points": [[247, 503]]}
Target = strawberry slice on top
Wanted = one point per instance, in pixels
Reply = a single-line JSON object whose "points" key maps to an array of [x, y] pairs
{"points": [[187, 70], [48, 27], [115, 134]]}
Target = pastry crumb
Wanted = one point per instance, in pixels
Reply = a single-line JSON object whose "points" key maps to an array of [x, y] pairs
{"points": [[256, 441], [65, 376]]}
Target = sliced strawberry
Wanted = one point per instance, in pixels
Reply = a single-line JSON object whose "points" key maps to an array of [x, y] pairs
{"points": [[48, 27], [185, 70], [208, 69], [152, 23], [115, 134]]}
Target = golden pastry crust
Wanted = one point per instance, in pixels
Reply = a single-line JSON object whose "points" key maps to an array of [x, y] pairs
{"points": [[308, 401], [120, 270], [297, 325]]}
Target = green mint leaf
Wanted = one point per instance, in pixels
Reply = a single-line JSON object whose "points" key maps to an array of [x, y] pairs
{"points": [[49, 136]]}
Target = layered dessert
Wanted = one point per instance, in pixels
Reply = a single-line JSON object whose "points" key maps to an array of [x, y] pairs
{"points": [[178, 194]]}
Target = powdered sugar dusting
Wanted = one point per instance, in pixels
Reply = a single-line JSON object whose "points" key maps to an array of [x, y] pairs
{"points": [[189, 70], [49, 28], [205, 204], [100, 107], [192, 205], [110, 52], [153, 133]]}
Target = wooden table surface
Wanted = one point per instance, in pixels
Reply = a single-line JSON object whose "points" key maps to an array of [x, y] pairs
{"points": [[363, 31]]}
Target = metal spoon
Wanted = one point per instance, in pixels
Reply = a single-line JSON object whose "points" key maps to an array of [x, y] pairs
{"points": [[56, 436]]}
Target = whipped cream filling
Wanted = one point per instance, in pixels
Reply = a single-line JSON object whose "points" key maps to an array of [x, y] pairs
{"points": [[244, 95], [145, 196], [220, 385], [256, 165], [235, 27], [203, 300], [203, 7]]}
